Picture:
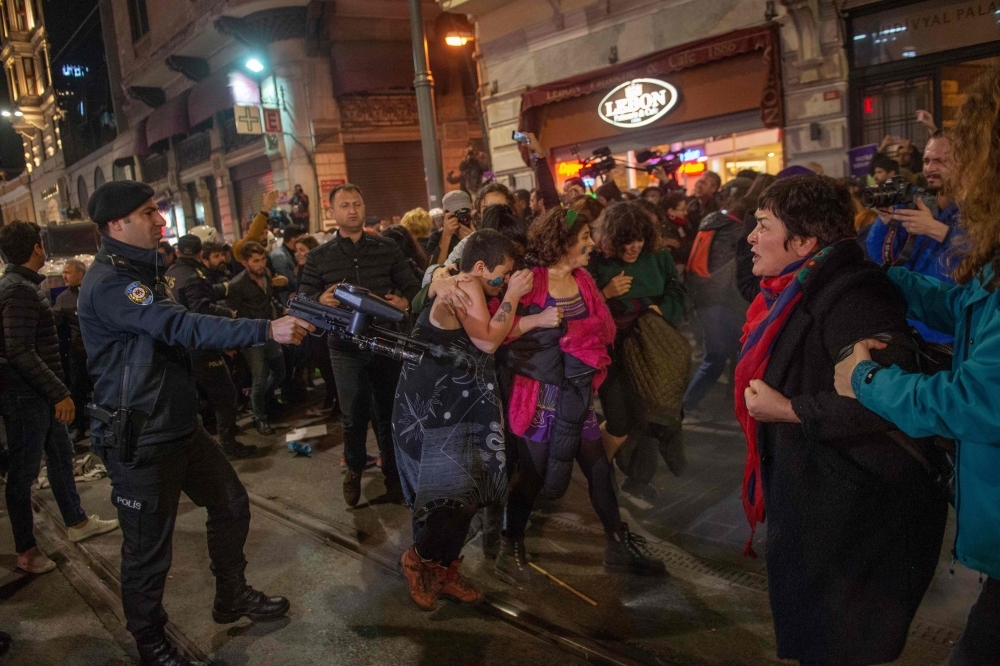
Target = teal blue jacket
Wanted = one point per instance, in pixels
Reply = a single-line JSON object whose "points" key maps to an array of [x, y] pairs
{"points": [[963, 404]]}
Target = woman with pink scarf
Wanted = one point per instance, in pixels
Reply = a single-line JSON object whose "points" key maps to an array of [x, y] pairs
{"points": [[556, 373]]}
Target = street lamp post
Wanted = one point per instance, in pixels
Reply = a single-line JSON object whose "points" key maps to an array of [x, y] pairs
{"points": [[424, 85]]}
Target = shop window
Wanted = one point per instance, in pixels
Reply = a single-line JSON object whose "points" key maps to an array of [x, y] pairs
{"points": [[30, 80], [81, 192], [20, 16], [138, 19], [891, 109]]}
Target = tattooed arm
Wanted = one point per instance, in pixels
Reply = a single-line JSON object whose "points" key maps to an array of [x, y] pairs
{"points": [[488, 332]]}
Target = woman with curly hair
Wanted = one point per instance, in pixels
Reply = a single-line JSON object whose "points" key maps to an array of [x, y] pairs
{"points": [[635, 276], [961, 404], [556, 372]]}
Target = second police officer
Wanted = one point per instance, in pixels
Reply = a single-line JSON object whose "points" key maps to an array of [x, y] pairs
{"points": [[188, 284], [145, 419]]}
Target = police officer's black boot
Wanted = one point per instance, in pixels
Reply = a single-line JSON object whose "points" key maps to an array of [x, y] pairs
{"points": [[225, 419], [161, 652], [235, 599]]}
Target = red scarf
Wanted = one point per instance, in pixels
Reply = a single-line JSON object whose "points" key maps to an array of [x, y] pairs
{"points": [[765, 319]]}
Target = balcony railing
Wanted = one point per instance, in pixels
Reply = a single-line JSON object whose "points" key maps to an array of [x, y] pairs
{"points": [[194, 150]]}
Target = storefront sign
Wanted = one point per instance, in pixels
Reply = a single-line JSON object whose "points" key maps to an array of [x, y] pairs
{"points": [[922, 28], [860, 159], [272, 121], [637, 103]]}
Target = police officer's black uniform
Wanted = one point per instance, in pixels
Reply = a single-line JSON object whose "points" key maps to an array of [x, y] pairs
{"points": [[145, 429], [188, 283]]}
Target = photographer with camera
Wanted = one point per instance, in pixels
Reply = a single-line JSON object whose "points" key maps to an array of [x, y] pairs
{"points": [[963, 402], [457, 224], [916, 229], [365, 381]]}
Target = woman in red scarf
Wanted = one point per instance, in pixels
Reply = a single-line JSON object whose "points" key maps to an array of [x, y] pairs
{"points": [[556, 373], [854, 524]]}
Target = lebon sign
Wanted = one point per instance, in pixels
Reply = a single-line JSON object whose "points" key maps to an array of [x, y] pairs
{"points": [[638, 102]]}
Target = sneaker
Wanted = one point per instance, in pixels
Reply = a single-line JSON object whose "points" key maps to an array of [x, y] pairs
{"points": [[456, 587], [93, 527], [626, 552], [422, 579], [34, 561], [263, 428], [512, 566], [352, 487]]}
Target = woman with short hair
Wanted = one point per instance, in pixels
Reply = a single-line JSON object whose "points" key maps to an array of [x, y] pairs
{"points": [[854, 523]]}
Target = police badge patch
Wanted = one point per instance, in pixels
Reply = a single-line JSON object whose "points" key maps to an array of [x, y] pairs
{"points": [[139, 293]]}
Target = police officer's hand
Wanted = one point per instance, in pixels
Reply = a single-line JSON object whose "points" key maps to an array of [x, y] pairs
{"points": [[290, 330], [65, 411], [327, 298], [279, 281]]}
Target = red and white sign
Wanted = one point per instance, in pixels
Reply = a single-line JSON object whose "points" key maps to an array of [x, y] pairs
{"points": [[272, 121]]}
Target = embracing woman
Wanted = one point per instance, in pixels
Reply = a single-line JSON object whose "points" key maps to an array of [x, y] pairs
{"points": [[854, 524]]}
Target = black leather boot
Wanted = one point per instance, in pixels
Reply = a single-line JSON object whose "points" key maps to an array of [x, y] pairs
{"points": [[626, 552], [235, 599], [161, 652]]}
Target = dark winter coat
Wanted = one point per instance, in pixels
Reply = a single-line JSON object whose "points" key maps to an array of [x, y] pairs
{"points": [[29, 346], [854, 526]]}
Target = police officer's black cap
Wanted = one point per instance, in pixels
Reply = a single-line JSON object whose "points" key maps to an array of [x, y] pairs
{"points": [[115, 200], [189, 245]]}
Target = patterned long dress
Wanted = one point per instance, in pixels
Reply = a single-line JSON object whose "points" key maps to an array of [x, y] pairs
{"points": [[448, 427]]}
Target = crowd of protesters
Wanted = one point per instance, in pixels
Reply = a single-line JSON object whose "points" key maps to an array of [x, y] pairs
{"points": [[576, 314]]}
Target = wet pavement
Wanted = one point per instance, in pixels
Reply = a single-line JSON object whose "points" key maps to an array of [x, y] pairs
{"points": [[350, 606]]}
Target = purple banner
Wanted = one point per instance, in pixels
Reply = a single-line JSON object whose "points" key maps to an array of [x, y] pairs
{"points": [[860, 158]]}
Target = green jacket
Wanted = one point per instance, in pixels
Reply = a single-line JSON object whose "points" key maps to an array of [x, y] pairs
{"points": [[963, 404], [654, 282]]}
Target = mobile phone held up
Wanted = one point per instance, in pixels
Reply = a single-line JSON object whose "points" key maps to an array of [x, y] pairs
{"points": [[520, 137]]}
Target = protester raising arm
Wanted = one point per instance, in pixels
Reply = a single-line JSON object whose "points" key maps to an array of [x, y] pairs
{"points": [[258, 228]]}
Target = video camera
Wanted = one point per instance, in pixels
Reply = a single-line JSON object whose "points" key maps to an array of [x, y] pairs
{"points": [[353, 321], [896, 192], [599, 164], [653, 159]]}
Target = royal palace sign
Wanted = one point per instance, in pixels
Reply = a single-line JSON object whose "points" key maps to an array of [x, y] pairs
{"points": [[637, 103]]}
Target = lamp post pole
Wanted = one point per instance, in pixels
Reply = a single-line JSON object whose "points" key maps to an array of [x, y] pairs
{"points": [[424, 85]]}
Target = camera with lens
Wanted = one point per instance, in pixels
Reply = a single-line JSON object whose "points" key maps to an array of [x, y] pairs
{"points": [[464, 217], [599, 164], [896, 192], [654, 159]]}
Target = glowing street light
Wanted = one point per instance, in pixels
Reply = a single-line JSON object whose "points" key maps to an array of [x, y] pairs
{"points": [[255, 65], [18, 114], [5, 113], [458, 37]]}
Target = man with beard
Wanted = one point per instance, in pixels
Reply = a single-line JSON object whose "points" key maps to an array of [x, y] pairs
{"points": [[920, 239], [251, 295]]}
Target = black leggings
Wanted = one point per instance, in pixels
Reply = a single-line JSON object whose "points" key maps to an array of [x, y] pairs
{"points": [[441, 535], [527, 483]]}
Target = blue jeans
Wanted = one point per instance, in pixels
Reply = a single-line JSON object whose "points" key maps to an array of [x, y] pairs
{"points": [[722, 327], [31, 429], [267, 365]]}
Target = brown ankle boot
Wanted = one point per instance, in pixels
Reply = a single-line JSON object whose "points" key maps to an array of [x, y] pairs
{"points": [[421, 578], [455, 586]]}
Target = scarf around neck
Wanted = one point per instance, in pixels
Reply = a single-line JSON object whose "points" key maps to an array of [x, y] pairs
{"points": [[766, 317]]}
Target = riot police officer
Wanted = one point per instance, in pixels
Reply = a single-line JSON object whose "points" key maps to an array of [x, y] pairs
{"points": [[144, 418], [188, 284]]}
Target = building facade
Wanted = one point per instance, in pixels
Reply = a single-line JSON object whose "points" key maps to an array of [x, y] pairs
{"points": [[338, 75]]}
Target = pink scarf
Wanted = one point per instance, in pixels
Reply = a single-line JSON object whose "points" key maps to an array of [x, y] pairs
{"points": [[586, 339]]}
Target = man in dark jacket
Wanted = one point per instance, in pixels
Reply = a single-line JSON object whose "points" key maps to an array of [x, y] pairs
{"points": [[188, 284], [145, 418], [705, 199], [365, 381], [34, 401], [74, 356], [251, 295]]}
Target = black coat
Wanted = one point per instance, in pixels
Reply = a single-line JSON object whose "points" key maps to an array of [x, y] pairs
{"points": [[854, 526]]}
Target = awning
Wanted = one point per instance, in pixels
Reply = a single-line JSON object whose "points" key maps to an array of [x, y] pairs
{"points": [[219, 92], [764, 74], [168, 120], [371, 66]]}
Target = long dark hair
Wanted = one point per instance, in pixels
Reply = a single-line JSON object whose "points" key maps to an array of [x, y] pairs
{"points": [[404, 239]]}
